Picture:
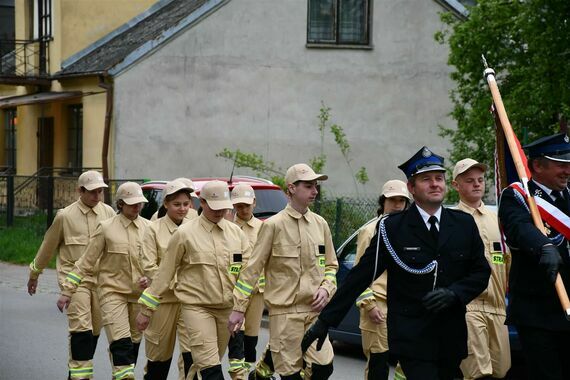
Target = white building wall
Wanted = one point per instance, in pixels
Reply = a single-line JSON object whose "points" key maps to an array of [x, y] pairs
{"points": [[244, 79]]}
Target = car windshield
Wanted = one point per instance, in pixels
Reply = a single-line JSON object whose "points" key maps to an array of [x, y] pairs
{"points": [[269, 202]]}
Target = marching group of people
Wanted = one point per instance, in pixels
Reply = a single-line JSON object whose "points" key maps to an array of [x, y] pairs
{"points": [[430, 282]]}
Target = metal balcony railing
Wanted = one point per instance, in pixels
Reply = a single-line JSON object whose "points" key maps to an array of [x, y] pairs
{"points": [[24, 58]]}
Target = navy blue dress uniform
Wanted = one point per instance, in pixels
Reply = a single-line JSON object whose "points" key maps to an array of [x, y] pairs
{"points": [[442, 273], [534, 307]]}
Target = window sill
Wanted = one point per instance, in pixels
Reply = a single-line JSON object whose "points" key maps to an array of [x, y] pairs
{"points": [[312, 45]]}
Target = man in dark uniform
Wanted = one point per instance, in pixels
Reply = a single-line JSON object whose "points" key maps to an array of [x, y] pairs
{"points": [[436, 265], [534, 307]]}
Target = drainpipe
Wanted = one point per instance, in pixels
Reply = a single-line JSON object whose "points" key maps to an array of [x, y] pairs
{"points": [[108, 87]]}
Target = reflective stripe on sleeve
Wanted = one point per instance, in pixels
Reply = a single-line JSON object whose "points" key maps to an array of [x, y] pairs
{"points": [[149, 300], [74, 278], [244, 288], [261, 282], [365, 295], [330, 274], [34, 268]]}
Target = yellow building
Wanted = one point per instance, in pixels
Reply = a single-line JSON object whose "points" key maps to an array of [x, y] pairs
{"points": [[48, 120]]}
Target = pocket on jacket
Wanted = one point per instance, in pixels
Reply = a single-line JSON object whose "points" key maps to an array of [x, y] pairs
{"points": [[76, 240], [118, 248], [202, 258], [286, 260]]}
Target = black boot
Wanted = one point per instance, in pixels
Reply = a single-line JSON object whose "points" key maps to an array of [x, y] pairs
{"points": [[157, 370], [212, 373], [95, 340], [188, 361], [136, 347], [249, 345], [378, 368], [295, 376], [321, 372]]}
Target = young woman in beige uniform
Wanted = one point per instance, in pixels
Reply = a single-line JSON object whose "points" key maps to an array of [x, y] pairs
{"points": [[206, 255], [167, 323], [116, 245], [372, 302]]}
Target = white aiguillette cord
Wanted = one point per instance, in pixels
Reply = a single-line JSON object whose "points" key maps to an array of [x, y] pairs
{"points": [[431, 267]]}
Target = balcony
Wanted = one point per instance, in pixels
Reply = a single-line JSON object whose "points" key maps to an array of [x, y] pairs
{"points": [[24, 62]]}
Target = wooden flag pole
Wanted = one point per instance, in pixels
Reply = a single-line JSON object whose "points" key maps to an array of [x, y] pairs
{"points": [[521, 171]]}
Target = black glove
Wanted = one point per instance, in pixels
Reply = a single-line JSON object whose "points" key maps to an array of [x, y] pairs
{"points": [[550, 261], [439, 299], [318, 331]]}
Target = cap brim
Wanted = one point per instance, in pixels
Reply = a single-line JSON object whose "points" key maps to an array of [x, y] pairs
{"points": [[245, 200], [560, 157], [135, 200], [220, 205], [93, 186], [392, 194], [429, 168], [478, 165]]}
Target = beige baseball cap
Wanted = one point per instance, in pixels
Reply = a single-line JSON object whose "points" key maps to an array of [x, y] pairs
{"points": [[466, 164], [243, 193], [188, 182], [173, 187], [91, 180], [130, 193], [395, 188], [217, 195], [302, 172]]}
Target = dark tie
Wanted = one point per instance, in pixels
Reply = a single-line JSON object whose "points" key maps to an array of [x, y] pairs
{"points": [[433, 228], [560, 202]]}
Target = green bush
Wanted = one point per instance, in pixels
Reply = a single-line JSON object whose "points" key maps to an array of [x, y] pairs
{"points": [[20, 242]]}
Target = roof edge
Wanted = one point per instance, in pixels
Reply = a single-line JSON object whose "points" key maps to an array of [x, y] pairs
{"points": [[455, 7], [196, 16], [106, 38]]}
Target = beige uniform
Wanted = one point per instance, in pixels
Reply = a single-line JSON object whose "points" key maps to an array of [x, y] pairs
{"points": [[488, 337], [254, 311], [374, 335], [167, 322], [297, 254], [116, 246], [206, 258], [68, 235]]}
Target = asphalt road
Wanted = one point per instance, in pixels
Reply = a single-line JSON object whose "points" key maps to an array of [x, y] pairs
{"points": [[34, 335]]}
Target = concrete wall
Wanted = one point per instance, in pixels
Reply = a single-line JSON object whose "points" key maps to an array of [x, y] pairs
{"points": [[244, 79]]}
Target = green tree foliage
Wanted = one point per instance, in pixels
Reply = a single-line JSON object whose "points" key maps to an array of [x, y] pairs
{"points": [[527, 43]]}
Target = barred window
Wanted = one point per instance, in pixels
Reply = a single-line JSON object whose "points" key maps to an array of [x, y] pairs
{"points": [[339, 22]]}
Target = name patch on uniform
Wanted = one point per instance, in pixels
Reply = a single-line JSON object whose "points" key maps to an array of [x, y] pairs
{"points": [[414, 249], [235, 266], [235, 269], [321, 261], [498, 258]]}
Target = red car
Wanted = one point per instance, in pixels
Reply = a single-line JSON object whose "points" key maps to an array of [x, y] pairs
{"points": [[270, 198]]}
